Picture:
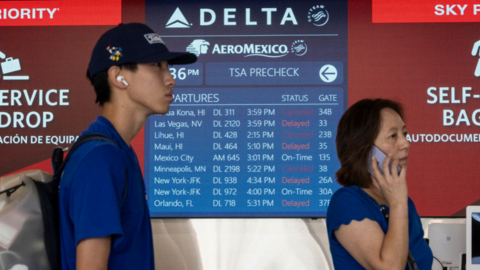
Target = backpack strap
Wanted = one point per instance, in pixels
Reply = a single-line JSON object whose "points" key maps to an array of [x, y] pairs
{"points": [[58, 163], [48, 195]]}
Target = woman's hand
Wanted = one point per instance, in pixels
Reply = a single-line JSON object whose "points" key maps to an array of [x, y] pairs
{"points": [[365, 239], [392, 185]]}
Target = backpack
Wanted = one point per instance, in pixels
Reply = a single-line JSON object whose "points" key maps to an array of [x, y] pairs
{"points": [[29, 221]]}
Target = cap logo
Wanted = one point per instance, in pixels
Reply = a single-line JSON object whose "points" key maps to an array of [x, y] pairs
{"points": [[153, 38], [115, 52]]}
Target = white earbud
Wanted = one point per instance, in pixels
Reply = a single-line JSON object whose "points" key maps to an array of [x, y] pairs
{"points": [[121, 79]]}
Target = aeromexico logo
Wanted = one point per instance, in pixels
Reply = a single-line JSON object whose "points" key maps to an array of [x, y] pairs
{"points": [[298, 47]]}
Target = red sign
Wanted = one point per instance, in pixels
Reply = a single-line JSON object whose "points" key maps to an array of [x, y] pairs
{"points": [[65, 12], [425, 11]]}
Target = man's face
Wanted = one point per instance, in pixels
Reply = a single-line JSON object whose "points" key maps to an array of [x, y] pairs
{"points": [[150, 88]]}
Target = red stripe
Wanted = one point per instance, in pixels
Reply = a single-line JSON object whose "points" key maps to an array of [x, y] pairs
{"points": [[66, 12], [425, 11]]}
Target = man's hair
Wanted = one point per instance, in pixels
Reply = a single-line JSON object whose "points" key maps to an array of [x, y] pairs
{"points": [[357, 130], [100, 83]]}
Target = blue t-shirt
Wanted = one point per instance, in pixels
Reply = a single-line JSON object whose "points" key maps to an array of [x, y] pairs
{"points": [[91, 204], [352, 203]]}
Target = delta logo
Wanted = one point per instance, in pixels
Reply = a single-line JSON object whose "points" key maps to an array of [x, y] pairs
{"points": [[316, 15], [209, 17], [63, 12]]}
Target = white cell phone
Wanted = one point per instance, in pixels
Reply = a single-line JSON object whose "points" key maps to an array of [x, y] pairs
{"points": [[380, 156]]}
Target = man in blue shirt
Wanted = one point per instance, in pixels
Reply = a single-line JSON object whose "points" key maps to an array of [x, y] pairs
{"points": [[104, 217]]}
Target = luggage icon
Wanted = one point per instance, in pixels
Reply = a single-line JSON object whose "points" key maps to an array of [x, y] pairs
{"points": [[10, 65]]}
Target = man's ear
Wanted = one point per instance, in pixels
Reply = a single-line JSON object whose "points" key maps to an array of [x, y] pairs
{"points": [[113, 73]]}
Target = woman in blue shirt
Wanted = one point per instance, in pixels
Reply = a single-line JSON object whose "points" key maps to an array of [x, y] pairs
{"points": [[371, 221]]}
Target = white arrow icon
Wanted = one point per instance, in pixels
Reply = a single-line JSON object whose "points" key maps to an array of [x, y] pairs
{"points": [[328, 73]]}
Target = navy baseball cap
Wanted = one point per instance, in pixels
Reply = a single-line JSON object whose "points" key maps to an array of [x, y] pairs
{"points": [[133, 43]]}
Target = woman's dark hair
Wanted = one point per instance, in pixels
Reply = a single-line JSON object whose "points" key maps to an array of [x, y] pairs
{"points": [[357, 130], [100, 82]]}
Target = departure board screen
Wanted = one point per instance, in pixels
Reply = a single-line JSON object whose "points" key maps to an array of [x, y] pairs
{"points": [[269, 73], [251, 131]]}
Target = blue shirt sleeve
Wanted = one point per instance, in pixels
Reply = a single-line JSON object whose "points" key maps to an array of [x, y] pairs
{"points": [[352, 203], [97, 189], [348, 204]]}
